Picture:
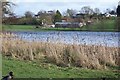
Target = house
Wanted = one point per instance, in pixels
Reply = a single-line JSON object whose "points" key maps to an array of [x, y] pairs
{"points": [[110, 15], [76, 21], [79, 15], [67, 19], [67, 25]]}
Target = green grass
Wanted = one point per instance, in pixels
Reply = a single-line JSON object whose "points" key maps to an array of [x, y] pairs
{"points": [[31, 28], [61, 29], [105, 25], [17, 27], [27, 69]]}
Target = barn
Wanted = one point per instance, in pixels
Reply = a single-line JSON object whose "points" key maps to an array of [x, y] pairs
{"points": [[67, 25]]}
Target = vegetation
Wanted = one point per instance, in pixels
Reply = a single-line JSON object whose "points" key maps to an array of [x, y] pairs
{"points": [[86, 56], [118, 11], [104, 25], [37, 69], [6, 8], [57, 17], [108, 25]]}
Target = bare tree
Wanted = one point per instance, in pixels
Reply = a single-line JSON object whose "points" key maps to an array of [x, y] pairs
{"points": [[108, 10], [28, 14], [86, 10], [7, 8], [97, 11], [71, 12], [28, 17], [47, 17]]}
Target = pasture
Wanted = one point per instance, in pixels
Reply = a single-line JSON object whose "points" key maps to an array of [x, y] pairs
{"points": [[36, 69]]}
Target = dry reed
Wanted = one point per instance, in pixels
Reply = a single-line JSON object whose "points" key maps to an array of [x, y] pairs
{"points": [[87, 56]]}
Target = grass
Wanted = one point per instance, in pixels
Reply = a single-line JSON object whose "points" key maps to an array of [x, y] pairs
{"points": [[35, 69], [31, 28], [17, 27], [104, 25]]}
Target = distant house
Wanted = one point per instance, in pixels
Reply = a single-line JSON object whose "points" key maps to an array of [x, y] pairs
{"points": [[67, 19], [110, 15], [67, 25], [79, 15], [76, 21], [50, 25]]}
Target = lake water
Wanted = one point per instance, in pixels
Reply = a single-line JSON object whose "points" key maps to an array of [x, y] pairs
{"points": [[72, 37]]}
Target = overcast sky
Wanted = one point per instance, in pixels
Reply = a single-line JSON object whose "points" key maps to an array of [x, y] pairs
{"points": [[62, 5]]}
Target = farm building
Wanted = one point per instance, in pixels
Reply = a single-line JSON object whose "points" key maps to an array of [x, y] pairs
{"points": [[67, 25]]}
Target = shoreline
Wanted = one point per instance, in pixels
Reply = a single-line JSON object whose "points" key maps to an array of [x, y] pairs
{"points": [[109, 26], [39, 30], [71, 42]]}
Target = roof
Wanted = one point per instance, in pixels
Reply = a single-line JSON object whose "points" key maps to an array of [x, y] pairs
{"points": [[66, 23], [62, 23]]}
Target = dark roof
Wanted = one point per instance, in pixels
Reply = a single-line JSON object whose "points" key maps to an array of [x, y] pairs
{"points": [[66, 23]]}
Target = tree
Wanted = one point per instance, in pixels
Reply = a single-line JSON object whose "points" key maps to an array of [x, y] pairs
{"points": [[42, 12], [47, 17], [29, 17], [118, 11], [97, 11], [57, 17], [28, 14], [118, 17], [12, 19], [41, 15], [108, 10], [112, 12], [71, 12], [87, 10], [7, 8]]}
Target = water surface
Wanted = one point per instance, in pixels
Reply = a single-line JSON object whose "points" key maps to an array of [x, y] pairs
{"points": [[72, 37]]}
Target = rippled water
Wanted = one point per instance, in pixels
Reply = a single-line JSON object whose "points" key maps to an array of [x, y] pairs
{"points": [[72, 37]]}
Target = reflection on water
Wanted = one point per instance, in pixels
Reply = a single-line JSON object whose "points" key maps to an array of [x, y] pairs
{"points": [[72, 37]]}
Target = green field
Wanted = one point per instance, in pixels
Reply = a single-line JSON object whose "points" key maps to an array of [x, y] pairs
{"points": [[108, 25], [27, 69]]}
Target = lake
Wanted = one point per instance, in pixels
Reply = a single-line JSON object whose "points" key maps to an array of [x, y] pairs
{"points": [[71, 37]]}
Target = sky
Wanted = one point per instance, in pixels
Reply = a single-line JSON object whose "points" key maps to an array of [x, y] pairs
{"points": [[36, 5]]}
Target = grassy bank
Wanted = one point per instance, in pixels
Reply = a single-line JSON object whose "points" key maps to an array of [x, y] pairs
{"points": [[27, 69], [105, 25], [17, 27]]}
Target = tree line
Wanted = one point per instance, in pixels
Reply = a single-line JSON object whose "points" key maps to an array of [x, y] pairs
{"points": [[47, 17]]}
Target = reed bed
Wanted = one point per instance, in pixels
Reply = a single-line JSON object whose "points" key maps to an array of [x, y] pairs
{"points": [[65, 55]]}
